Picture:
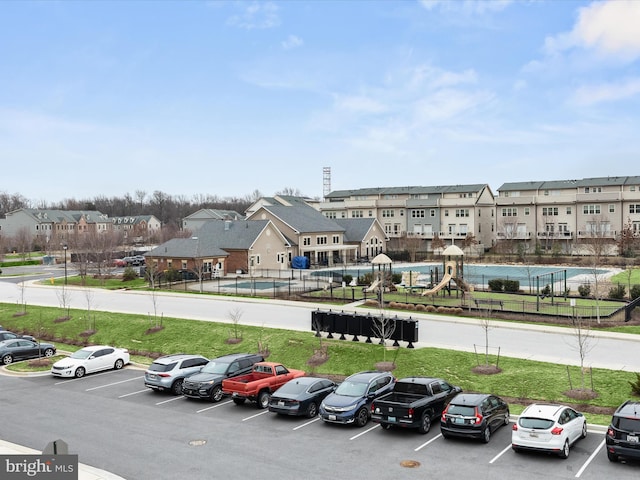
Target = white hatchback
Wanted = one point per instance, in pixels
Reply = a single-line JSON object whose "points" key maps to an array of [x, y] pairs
{"points": [[91, 359], [548, 428]]}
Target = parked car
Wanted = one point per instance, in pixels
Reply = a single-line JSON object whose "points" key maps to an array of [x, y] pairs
{"points": [[6, 335], [119, 262], [474, 415], [548, 428], [301, 396], [169, 372], [207, 383], [89, 360], [623, 434], [23, 349], [413, 403], [351, 401]]}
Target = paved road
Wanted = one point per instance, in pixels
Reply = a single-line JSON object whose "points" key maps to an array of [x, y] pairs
{"points": [[543, 343]]}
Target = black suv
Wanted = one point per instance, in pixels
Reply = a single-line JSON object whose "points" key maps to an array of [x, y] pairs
{"points": [[208, 382], [6, 335], [623, 435], [474, 415]]}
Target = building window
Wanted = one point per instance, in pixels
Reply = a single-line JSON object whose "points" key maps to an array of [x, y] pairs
{"points": [[330, 214], [417, 213], [634, 208], [356, 214], [527, 211], [612, 208], [370, 213], [432, 213], [549, 211], [322, 240], [568, 210], [446, 213], [591, 209], [462, 212], [388, 213], [184, 264], [336, 239], [510, 212], [306, 241]]}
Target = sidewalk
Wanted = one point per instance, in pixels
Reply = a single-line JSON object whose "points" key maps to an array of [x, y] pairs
{"points": [[85, 472]]}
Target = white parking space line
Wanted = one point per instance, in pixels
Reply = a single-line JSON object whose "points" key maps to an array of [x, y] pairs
{"points": [[171, 400], [256, 415], [506, 449], [213, 406], [133, 393], [73, 379], [590, 459], [114, 383], [366, 431], [308, 423], [427, 443]]}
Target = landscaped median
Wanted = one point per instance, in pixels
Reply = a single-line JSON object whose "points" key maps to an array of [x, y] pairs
{"points": [[519, 381]]}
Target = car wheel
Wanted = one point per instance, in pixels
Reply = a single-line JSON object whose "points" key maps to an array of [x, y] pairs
{"points": [[425, 424], [312, 411], [119, 364], [176, 388], [80, 371], [506, 418], [263, 399], [48, 352], [7, 359], [217, 393], [564, 453], [584, 430], [362, 417], [239, 401], [486, 435], [612, 457], [385, 426]]}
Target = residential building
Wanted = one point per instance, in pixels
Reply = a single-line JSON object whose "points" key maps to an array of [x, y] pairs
{"points": [[137, 229], [194, 221]]}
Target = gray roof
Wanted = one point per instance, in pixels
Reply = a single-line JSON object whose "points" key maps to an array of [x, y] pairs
{"points": [[69, 216], [304, 219], [411, 190], [194, 247], [564, 184], [232, 234], [355, 229]]}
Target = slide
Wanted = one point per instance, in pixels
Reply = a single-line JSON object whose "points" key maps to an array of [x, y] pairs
{"points": [[440, 286], [372, 287]]}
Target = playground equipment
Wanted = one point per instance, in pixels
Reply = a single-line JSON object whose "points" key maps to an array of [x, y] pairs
{"points": [[453, 270], [410, 281]]}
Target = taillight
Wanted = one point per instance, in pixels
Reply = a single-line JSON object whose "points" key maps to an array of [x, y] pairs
{"points": [[515, 427], [478, 417], [610, 432], [444, 414], [373, 407], [411, 413], [164, 375], [556, 431]]}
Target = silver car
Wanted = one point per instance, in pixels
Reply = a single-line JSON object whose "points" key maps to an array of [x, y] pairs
{"points": [[168, 372]]}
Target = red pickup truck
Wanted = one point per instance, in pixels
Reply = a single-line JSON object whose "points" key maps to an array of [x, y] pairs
{"points": [[257, 386]]}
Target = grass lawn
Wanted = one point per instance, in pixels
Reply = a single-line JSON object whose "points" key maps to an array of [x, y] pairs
{"points": [[520, 380]]}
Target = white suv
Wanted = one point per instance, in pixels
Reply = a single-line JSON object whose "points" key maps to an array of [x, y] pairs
{"points": [[168, 372], [548, 428]]}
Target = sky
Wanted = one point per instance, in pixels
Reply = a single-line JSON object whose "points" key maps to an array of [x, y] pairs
{"points": [[230, 98]]}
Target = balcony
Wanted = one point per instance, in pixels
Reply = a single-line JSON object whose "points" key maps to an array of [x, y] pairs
{"points": [[555, 235], [592, 234]]}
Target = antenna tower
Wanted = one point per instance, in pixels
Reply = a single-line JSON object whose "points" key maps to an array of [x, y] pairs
{"points": [[326, 181]]}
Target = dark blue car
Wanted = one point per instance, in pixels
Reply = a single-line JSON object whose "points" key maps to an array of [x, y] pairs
{"points": [[351, 402]]}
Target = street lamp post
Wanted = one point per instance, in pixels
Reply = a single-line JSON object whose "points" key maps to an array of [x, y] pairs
{"points": [[64, 248]]}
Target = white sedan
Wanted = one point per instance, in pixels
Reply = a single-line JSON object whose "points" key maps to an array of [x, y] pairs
{"points": [[548, 428], [91, 359]]}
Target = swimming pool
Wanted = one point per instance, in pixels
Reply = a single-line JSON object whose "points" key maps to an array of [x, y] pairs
{"points": [[481, 274]]}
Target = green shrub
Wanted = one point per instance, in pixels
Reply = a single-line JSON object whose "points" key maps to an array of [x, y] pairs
{"points": [[635, 292], [129, 274], [496, 285], [617, 292], [546, 290], [584, 290], [512, 286], [635, 386], [347, 279]]}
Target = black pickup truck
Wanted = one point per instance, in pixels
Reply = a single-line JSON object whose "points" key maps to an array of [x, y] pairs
{"points": [[413, 403]]}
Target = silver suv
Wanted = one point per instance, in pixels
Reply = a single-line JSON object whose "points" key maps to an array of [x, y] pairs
{"points": [[168, 372]]}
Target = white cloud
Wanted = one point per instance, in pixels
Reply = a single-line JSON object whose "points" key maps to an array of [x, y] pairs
{"points": [[292, 41], [359, 104], [432, 77], [609, 92], [256, 16], [468, 7], [610, 28]]}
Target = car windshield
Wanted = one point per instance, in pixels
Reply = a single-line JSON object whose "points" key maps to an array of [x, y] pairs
{"points": [[292, 388], [159, 367], [352, 389], [537, 423], [463, 410], [215, 367], [81, 354], [627, 424]]}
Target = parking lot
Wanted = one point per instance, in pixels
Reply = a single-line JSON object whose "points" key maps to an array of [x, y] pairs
{"points": [[113, 422]]}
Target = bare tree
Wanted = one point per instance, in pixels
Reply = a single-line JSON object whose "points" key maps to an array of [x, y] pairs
{"points": [[437, 243], [22, 286], [91, 321], [626, 240], [235, 315], [383, 328], [23, 242], [411, 243], [64, 298], [596, 245], [582, 343]]}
